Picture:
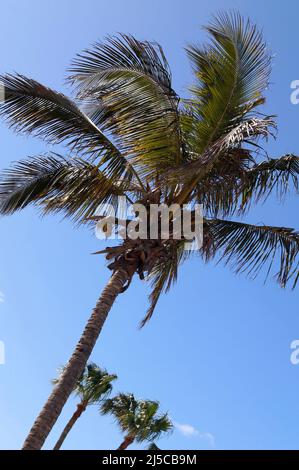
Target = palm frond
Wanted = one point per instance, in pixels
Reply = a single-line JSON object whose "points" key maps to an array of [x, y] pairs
{"points": [[128, 83], [219, 155], [123, 408], [161, 424], [277, 175], [149, 423], [164, 275], [248, 248], [122, 52], [232, 73], [235, 189], [31, 108], [54, 183], [93, 386]]}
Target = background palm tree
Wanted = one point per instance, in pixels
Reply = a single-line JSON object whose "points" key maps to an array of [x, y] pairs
{"points": [[92, 388], [153, 447], [132, 136], [138, 419]]}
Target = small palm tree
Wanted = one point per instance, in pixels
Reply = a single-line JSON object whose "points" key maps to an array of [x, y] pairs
{"points": [[153, 446], [132, 136], [137, 419], [92, 388]]}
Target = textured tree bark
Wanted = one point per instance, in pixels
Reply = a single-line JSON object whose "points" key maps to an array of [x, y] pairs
{"points": [[53, 407], [80, 408], [126, 442]]}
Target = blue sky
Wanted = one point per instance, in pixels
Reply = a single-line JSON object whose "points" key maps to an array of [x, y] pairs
{"points": [[217, 352]]}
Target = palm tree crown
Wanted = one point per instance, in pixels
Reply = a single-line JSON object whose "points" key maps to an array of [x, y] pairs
{"points": [[132, 136], [138, 419], [93, 385]]}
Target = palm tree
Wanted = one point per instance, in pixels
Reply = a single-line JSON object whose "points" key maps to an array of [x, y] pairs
{"points": [[138, 419], [133, 137], [92, 388], [153, 447]]}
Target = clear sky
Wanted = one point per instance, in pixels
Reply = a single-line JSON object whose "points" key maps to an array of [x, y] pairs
{"points": [[217, 351]]}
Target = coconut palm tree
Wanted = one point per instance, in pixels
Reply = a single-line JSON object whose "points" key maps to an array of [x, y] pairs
{"points": [[130, 135], [92, 388], [138, 419]]}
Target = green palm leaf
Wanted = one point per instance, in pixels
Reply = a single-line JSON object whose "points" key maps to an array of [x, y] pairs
{"points": [[129, 85], [32, 108], [248, 248], [232, 73], [164, 274], [276, 175], [218, 158], [227, 193], [93, 385], [54, 183], [234, 190]]}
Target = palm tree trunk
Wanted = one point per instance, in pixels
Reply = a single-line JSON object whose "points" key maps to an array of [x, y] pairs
{"points": [[126, 442], [80, 408], [52, 409]]}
